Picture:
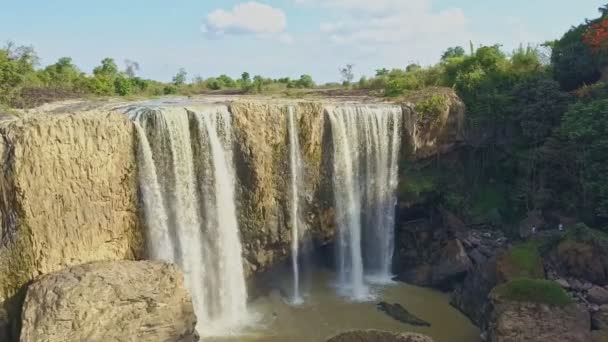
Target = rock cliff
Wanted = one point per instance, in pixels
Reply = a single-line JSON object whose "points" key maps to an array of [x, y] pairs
{"points": [[69, 190]]}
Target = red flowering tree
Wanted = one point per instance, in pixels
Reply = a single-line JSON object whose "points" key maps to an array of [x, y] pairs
{"points": [[596, 35]]}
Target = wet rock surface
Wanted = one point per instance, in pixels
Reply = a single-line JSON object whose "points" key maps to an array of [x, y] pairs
{"points": [[398, 312]]}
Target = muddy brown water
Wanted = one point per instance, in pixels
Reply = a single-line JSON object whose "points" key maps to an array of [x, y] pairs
{"points": [[325, 314]]}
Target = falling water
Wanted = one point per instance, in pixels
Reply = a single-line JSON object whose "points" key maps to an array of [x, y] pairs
{"points": [[295, 163], [187, 185], [365, 151]]}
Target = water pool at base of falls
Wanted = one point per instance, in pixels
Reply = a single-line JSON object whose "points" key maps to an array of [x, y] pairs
{"points": [[324, 314]]}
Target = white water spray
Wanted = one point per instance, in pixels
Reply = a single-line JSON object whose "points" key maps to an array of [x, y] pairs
{"points": [[366, 142], [187, 185]]}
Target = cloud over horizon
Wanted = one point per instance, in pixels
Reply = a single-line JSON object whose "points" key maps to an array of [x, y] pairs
{"points": [[248, 18]]}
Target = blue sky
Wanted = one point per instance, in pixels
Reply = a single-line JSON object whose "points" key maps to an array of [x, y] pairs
{"points": [[278, 38]]}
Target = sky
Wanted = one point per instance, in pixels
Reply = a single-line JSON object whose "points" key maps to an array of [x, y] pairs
{"points": [[281, 37]]}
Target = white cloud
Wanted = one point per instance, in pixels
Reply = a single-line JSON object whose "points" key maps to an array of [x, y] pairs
{"points": [[248, 18], [397, 27], [375, 6]]}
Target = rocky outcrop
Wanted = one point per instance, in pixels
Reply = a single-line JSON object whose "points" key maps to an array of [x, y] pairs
{"points": [[399, 313], [585, 260], [68, 195], [378, 336], [109, 301], [531, 322], [442, 134]]}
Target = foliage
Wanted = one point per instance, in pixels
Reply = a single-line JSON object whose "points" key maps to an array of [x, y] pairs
{"points": [[533, 291], [180, 78], [578, 57], [585, 126], [430, 108], [526, 259], [453, 52]]}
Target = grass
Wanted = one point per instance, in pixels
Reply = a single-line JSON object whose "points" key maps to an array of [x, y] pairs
{"points": [[526, 258], [533, 291]]}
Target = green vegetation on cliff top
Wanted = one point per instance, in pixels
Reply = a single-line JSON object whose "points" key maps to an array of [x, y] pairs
{"points": [[533, 291]]}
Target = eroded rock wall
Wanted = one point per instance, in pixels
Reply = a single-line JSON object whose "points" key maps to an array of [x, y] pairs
{"points": [[68, 196]]}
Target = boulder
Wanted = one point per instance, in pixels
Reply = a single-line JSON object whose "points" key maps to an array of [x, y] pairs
{"points": [[378, 336], [109, 301], [599, 318], [584, 260], [597, 295], [471, 296], [512, 321], [452, 265]]}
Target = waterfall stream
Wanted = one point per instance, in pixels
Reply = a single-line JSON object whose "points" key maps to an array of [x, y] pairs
{"points": [[295, 168], [187, 185], [366, 141]]}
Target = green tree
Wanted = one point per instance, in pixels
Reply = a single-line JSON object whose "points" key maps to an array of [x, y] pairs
{"points": [[258, 83], [245, 80], [63, 74], [453, 52], [107, 68], [572, 60], [226, 81], [123, 86], [180, 78], [305, 81], [585, 126]]}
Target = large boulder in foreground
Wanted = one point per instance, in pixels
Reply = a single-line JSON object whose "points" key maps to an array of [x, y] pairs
{"points": [[110, 301], [378, 336]]}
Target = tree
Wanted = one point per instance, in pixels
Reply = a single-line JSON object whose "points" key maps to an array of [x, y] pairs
{"points": [[62, 74], [131, 68], [180, 78], [258, 83], [245, 78], [226, 81], [413, 67], [347, 74], [108, 67], [585, 126], [572, 60], [382, 72], [305, 81], [457, 51]]}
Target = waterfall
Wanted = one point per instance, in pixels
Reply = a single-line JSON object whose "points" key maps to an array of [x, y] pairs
{"points": [[366, 141], [187, 186], [295, 167]]}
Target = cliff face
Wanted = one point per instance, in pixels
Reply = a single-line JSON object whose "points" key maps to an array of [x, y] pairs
{"points": [[69, 187], [263, 176], [69, 195]]}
